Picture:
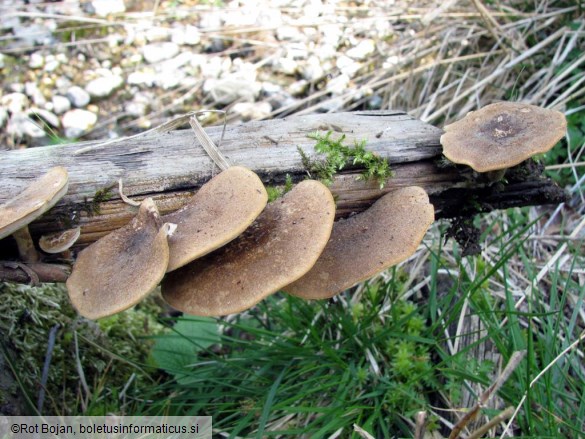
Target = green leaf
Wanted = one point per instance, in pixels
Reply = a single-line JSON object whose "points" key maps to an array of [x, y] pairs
{"points": [[177, 351]]}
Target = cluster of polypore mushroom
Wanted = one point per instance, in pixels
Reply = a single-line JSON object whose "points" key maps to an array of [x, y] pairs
{"points": [[226, 249]]}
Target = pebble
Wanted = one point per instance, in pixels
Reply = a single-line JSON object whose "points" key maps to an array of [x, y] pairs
{"points": [[49, 117], [347, 65], [78, 96], [313, 69], [139, 105], [289, 33], [145, 77], [157, 52], [33, 92], [186, 35], [51, 63], [156, 34], [338, 84], [14, 102], [363, 49], [104, 86], [20, 125], [252, 110], [103, 8], [60, 104], [285, 65], [36, 60], [226, 91], [77, 122]]}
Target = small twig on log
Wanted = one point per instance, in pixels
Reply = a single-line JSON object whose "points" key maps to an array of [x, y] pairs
{"points": [[33, 274]]}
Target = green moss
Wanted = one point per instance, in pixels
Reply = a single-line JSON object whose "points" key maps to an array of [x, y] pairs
{"points": [[338, 156], [108, 351], [275, 192]]}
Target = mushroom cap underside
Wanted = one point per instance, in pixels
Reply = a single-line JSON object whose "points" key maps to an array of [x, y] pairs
{"points": [[38, 197], [220, 211], [367, 243], [502, 135], [279, 247], [60, 241], [122, 268]]}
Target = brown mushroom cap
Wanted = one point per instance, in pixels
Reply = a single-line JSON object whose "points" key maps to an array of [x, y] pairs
{"points": [[279, 247], [220, 211], [368, 243], [502, 135], [60, 241], [122, 268], [42, 194]]}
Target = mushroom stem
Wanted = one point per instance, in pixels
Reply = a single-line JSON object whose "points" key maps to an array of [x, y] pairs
{"points": [[495, 176], [26, 246]]}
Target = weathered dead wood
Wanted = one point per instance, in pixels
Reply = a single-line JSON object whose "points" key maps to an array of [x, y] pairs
{"points": [[170, 166]]}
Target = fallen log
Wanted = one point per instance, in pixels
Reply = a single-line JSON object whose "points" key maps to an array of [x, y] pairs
{"points": [[170, 166]]}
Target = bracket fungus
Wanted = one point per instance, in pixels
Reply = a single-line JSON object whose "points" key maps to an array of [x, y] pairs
{"points": [[38, 197], [502, 135], [220, 211], [60, 242], [122, 268], [279, 247], [368, 243]]}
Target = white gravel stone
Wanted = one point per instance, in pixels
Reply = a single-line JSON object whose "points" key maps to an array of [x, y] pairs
{"points": [[226, 91], [157, 52], [104, 86], [363, 49], [145, 77], [36, 60], [338, 84], [347, 65], [60, 104], [285, 65], [104, 8], [156, 34], [49, 117], [252, 110], [34, 93], [312, 69], [298, 51], [78, 96], [52, 63], [77, 122], [14, 102], [289, 33], [168, 79], [298, 87], [16, 87], [188, 35], [20, 125]]}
